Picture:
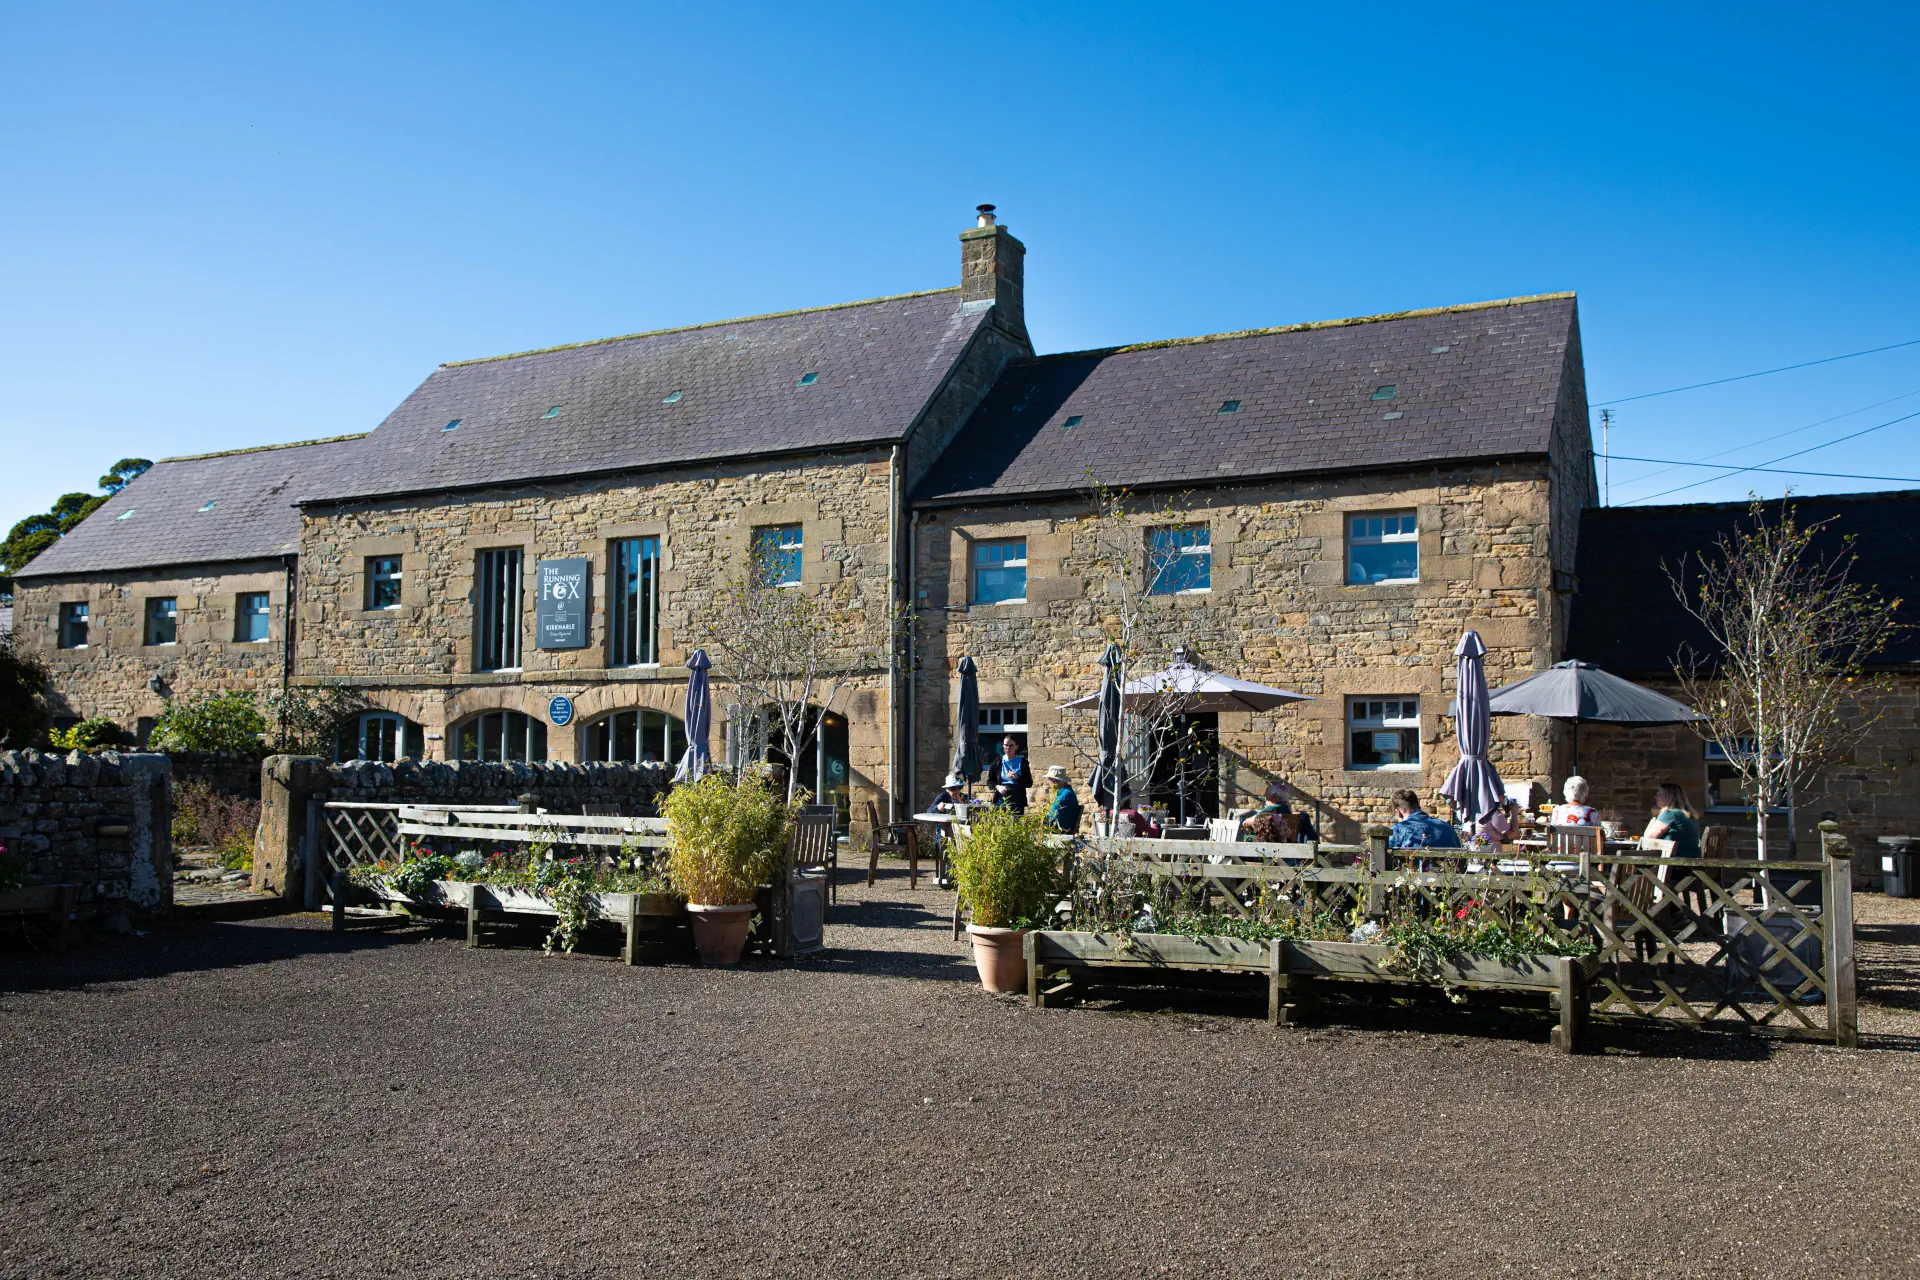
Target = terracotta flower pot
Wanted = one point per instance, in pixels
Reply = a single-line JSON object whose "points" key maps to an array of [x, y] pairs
{"points": [[720, 933], [1000, 956]]}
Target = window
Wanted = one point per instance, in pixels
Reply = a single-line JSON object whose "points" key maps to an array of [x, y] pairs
{"points": [[1229, 406], [1179, 559], [251, 613], [1725, 790], [1383, 548], [1383, 733], [634, 737], [776, 555], [1000, 722], [383, 582], [500, 735], [73, 625], [162, 619], [380, 736], [1387, 392], [497, 591], [1000, 571], [633, 633]]}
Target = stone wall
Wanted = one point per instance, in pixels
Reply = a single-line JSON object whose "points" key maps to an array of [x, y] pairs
{"points": [[231, 773], [1279, 611], [100, 822], [110, 677]]}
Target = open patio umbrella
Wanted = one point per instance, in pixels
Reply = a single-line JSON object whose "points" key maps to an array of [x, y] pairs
{"points": [[1196, 689], [966, 723], [1109, 778], [1473, 786], [695, 762], [1577, 691]]}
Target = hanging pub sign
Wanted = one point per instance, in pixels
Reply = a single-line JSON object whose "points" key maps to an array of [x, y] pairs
{"points": [[560, 614]]}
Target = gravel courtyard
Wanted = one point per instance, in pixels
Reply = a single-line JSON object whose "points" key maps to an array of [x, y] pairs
{"points": [[267, 1098]]}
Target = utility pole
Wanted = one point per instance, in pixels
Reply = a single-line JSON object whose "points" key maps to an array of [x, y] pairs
{"points": [[1606, 458]]}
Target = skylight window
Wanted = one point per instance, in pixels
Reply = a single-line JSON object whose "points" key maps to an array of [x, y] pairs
{"points": [[1440, 351], [808, 379], [1229, 406], [451, 425], [1387, 392], [551, 413], [672, 399], [208, 504], [126, 515], [1071, 423]]}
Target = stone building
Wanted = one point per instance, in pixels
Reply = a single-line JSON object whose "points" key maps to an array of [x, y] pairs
{"points": [[177, 585], [1343, 498]]}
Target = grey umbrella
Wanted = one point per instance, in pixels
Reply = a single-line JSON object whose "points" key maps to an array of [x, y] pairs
{"points": [[1580, 691], [695, 762], [1109, 778], [966, 722], [1473, 786]]}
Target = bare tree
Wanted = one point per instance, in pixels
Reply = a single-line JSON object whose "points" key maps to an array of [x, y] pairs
{"points": [[789, 650], [1784, 688]]}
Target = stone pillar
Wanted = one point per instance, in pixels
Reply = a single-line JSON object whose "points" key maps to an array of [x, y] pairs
{"points": [[280, 852]]}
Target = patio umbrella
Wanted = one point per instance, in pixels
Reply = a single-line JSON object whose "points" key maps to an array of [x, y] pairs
{"points": [[1196, 689], [1578, 691], [1473, 786], [695, 762], [966, 722], [1109, 778]]}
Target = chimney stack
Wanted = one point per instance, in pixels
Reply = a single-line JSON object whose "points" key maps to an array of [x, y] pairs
{"points": [[992, 273]]}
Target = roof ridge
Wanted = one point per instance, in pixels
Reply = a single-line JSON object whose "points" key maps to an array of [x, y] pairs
{"points": [[263, 448], [1489, 305], [708, 324]]}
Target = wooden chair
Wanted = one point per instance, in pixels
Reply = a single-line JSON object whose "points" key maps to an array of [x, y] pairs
{"points": [[902, 838], [812, 845], [1278, 828], [593, 809]]}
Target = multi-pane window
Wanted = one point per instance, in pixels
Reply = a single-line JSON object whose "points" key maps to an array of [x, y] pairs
{"points": [[1383, 548], [380, 736], [383, 582], [1000, 571], [500, 735], [776, 555], [999, 722], [497, 591], [162, 620], [1383, 733], [634, 596], [1179, 559], [634, 737], [251, 613], [73, 625]]}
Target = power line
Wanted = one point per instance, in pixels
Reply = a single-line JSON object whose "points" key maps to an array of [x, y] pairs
{"points": [[1768, 439], [1785, 368], [1785, 457], [1778, 471]]}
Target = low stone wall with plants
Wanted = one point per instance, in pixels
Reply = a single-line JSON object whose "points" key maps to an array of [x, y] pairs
{"points": [[100, 822]]}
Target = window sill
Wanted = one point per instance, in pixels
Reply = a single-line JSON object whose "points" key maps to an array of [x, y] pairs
{"points": [[1387, 582], [1383, 768], [989, 604]]}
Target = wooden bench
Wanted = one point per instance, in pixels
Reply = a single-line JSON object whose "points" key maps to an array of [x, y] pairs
{"points": [[655, 924]]}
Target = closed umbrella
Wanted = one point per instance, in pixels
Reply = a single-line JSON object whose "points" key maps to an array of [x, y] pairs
{"points": [[1578, 691], [1473, 786], [966, 723], [695, 762], [1109, 779]]}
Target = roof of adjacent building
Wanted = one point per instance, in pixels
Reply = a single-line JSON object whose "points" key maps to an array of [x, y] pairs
{"points": [[730, 389], [1627, 619], [1475, 381], [204, 509]]}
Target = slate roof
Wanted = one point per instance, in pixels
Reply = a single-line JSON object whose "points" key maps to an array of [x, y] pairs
{"points": [[737, 382], [252, 516], [1626, 618], [1476, 381]]}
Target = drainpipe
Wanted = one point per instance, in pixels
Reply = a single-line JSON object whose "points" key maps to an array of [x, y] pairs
{"points": [[912, 615], [893, 637], [286, 644]]}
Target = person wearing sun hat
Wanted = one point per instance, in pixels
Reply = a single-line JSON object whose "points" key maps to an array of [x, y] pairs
{"points": [[1063, 815], [953, 793]]}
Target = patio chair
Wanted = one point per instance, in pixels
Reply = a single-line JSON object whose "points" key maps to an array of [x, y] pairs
{"points": [[594, 809], [1224, 830], [811, 845], [902, 838]]}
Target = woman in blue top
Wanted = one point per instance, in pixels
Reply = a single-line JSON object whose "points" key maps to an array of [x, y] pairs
{"points": [[1011, 777], [1675, 819]]}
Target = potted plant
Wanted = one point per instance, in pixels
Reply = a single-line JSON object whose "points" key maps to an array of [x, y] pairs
{"points": [[729, 837], [1006, 874]]}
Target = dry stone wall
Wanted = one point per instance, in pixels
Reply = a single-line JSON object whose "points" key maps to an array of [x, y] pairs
{"points": [[102, 823]]}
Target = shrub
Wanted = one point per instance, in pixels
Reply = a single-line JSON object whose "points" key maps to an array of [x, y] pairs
{"points": [[203, 816], [13, 870], [23, 682], [729, 837], [96, 733], [227, 721], [1005, 869]]}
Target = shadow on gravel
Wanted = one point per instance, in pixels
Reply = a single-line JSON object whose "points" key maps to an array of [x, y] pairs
{"points": [[188, 947], [891, 964], [1889, 964]]}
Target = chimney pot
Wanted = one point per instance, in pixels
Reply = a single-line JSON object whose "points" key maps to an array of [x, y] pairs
{"points": [[986, 214], [992, 274]]}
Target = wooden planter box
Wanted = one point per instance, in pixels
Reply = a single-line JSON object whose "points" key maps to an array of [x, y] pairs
{"points": [[659, 915], [51, 902], [1060, 960]]}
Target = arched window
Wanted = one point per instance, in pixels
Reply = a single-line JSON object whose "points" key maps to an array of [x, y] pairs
{"points": [[633, 736], [500, 735], [382, 736]]}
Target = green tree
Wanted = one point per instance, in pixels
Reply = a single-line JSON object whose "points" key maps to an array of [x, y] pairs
{"points": [[23, 708], [229, 721], [36, 533], [123, 473]]}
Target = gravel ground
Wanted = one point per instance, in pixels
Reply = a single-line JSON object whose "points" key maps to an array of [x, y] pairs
{"points": [[265, 1098]]}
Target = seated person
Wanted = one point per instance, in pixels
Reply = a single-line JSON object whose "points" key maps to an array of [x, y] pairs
{"points": [[1141, 824], [1414, 828], [1675, 819], [1576, 812], [1063, 815], [953, 792], [1498, 827], [1277, 804]]}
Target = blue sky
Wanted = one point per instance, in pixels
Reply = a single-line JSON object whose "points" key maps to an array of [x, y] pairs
{"points": [[226, 226]]}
